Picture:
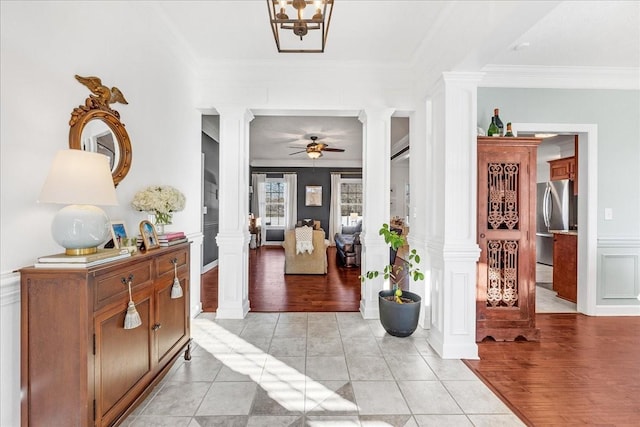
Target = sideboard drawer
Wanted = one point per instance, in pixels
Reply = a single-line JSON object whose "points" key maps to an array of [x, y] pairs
{"points": [[110, 287], [164, 263]]}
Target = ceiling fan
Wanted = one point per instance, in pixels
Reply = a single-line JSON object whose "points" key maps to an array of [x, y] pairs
{"points": [[314, 149]]}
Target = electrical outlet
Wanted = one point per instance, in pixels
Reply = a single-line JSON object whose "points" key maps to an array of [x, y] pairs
{"points": [[608, 214]]}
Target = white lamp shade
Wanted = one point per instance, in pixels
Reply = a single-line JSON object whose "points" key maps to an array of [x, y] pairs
{"points": [[80, 179]]}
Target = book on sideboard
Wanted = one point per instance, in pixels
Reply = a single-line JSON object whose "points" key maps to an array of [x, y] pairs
{"points": [[171, 236], [172, 242], [82, 259], [126, 254]]}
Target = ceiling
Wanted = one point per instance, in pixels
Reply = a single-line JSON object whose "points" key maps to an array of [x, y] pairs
{"points": [[584, 33], [462, 35]]}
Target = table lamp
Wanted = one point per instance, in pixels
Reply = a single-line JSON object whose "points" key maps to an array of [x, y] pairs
{"points": [[80, 179]]}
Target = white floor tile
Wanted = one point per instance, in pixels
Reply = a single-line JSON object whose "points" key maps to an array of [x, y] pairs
{"points": [[327, 368], [232, 398], [379, 397], [298, 369], [475, 398], [428, 397]]}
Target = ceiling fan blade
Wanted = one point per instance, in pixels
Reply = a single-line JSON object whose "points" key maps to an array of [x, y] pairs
{"points": [[298, 152], [338, 150]]}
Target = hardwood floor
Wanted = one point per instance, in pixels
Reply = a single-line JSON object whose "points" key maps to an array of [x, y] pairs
{"points": [[270, 290], [585, 371]]}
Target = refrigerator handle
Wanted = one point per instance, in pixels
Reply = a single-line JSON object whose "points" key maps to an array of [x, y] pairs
{"points": [[546, 206]]}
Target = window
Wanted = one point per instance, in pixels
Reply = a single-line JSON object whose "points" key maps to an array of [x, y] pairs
{"points": [[274, 189], [350, 200]]}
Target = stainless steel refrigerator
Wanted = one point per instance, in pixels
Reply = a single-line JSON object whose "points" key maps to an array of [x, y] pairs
{"points": [[556, 210]]}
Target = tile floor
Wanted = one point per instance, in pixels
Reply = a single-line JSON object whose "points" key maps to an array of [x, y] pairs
{"points": [[316, 369], [546, 299]]}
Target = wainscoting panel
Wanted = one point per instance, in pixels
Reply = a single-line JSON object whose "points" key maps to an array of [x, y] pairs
{"points": [[10, 349], [618, 272]]}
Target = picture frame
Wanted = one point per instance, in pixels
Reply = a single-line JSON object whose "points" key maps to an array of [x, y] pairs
{"points": [[118, 233], [313, 195], [149, 235]]}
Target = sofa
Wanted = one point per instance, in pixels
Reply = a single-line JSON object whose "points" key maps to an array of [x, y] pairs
{"points": [[348, 246], [305, 263]]}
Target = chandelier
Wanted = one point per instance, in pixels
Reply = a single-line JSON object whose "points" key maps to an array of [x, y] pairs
{"points": [[303, 38]]}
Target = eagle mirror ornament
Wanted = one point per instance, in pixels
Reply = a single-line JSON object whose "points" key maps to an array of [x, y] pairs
{"points": [[96, 127]]}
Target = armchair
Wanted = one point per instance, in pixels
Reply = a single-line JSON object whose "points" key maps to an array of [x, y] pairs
{"points": [[348, 246], [305, 263]]}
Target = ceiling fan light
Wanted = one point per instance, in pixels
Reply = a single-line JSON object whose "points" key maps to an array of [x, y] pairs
{"points": [[314, 154]]}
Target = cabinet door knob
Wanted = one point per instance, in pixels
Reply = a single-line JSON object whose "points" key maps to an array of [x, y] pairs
{"points": [[156, 326], [482, 235]]}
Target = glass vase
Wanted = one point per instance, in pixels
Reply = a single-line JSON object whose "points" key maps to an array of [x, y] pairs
{"points": [[159, 228]]}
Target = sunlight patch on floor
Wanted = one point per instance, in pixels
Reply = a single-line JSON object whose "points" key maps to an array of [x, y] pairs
{"points": [[284, 384]]}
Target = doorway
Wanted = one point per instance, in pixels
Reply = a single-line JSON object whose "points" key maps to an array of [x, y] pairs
{"points": [[586, 206], [556, 210], [210, 185]]}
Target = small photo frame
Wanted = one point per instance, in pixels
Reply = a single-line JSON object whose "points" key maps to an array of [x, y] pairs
{"points": [[118, 234], [313, 195], [149, 235]]}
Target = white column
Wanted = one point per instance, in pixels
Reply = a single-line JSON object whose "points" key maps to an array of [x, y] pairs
{"points": [[376, 166], [233, 237], [452, 194]]}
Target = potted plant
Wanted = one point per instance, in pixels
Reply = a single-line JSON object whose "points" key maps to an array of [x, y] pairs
{"points": [[399, 310]]}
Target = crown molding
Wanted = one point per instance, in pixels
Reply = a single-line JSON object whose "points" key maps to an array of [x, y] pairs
{"points": [[561, 77]]}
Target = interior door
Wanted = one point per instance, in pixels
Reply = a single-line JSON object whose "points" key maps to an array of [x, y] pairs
{"points": [[503, 185], [123, 356]]}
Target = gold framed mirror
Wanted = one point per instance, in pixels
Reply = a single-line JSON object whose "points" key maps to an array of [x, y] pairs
{"points": [[96, 127]]}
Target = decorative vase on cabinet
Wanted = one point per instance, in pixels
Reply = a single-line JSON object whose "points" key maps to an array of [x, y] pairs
{"points": [[505, 297]]}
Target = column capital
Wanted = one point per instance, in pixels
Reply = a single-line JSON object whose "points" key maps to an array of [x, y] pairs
{"points": [[234, 111], [372, 113]]}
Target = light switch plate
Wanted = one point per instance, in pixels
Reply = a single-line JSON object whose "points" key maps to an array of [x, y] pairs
{"points": [[608, 214]]}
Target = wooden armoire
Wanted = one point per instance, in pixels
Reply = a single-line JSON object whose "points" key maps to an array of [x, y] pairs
{"points": [[505, 298]]}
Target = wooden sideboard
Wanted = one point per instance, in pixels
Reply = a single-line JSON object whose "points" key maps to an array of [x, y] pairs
{"points": [[79, 366]]}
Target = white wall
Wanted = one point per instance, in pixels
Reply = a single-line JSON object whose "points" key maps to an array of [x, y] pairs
{"points": [[43, 45]]}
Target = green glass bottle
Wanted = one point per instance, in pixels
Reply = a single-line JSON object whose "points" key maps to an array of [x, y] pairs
{"points": [[496, 115], [493, 128], [509, 131]]}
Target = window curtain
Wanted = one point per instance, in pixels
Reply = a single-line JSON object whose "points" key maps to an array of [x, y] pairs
{"points": [[335, 219], [258, 200], [291, 200]]}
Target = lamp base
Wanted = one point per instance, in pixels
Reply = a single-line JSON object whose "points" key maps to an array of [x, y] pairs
{"points": [[83, 251], [80, 229]]}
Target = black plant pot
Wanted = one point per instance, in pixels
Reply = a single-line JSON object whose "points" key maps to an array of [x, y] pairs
{"points": [[399, 320]]}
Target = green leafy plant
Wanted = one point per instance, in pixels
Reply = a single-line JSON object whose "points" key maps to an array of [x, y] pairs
{"points": [[396, 272]]}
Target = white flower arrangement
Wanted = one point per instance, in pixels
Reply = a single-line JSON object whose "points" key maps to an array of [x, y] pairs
{"points": [[161, 200]]}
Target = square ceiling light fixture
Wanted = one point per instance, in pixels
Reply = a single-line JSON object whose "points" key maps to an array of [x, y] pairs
{"points": [[298, 28]]}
